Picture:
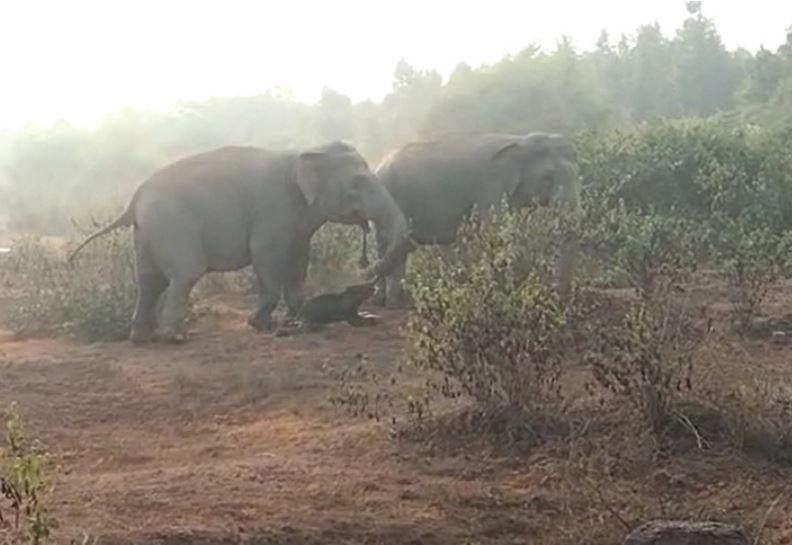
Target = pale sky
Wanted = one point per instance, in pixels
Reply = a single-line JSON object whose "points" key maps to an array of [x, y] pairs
{"points": [[81, 59]]}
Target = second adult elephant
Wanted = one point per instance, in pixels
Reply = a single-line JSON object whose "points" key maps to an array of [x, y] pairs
{"points": [[436, 183], [228, 208]]}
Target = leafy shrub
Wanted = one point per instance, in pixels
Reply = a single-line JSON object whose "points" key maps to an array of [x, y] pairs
{"points": [[691, 168], [484, 322], [647, 361], [26, 475], [657, 252], [751, 258]]}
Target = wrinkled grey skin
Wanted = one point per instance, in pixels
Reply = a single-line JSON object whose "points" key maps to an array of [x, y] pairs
{"points": [[436, 183], [225, 209]]}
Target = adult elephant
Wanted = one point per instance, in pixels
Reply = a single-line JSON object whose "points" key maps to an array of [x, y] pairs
{"points": [[436, 183], [225, 209]]}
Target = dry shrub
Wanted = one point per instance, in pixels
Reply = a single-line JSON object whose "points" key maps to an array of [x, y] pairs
{"points": [[647, 360], [758, 419], [92, 299]]}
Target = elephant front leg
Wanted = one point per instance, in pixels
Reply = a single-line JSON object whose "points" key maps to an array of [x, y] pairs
{"points": [[395, 296], [379, 298], [294, 284], [268, 296]]}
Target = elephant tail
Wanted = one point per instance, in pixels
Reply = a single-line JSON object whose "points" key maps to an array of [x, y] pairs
{"points": [[124, 220]]}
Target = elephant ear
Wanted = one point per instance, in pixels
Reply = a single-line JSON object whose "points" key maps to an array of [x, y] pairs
{"points": [[308, 177], [501, 151]]}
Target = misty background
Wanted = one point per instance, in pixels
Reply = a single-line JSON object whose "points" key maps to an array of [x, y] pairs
{"points": [[97, 95]]}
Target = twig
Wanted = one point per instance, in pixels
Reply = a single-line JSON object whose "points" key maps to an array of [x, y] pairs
{"points": [[700, 441], [769, 512], [607, 505]]}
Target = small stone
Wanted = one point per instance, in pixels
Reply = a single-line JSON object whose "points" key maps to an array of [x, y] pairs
{"points": [[670, 532]]}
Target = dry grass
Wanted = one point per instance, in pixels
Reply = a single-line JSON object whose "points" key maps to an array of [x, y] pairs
{"points": [[232, 436]]}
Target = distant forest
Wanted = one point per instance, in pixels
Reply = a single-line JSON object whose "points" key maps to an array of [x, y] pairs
{"points": [[49, 175]]}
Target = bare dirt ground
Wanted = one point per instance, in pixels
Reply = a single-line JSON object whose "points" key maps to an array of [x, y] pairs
{"points": [[230, 438]]}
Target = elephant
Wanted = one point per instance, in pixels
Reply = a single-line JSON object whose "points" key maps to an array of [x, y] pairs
{"points": [[437, 182], [235, 206]]}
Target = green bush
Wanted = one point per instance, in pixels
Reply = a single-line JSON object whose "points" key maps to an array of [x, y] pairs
{"points": [[751, 258], [485, 322], [657, 253], [26, 478], [692, 168]]}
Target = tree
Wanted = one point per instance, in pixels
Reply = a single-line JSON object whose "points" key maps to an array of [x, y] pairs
{"points": [[706, 74], [650, 68]]}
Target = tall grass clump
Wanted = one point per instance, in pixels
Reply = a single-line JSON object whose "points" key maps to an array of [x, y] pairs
{"points": [[93, 298]]}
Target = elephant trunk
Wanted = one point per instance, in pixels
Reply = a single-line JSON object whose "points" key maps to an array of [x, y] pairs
{"points": [[391, 231], [363, 262], [568, 195]]}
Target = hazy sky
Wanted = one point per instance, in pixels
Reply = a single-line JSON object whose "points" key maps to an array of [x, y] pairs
{"points": [[80, 59]]}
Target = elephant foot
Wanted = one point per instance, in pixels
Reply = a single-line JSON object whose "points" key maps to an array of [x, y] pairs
{"points": [[261, 324], [141, 335], [378, 299], [171, 337], [398, 303]]}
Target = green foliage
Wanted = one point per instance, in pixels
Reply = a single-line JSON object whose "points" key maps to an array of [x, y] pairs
{"points": [[485, 323], [751, 258], [26, 477], [656, 252], [92, 299], [691, 168]]}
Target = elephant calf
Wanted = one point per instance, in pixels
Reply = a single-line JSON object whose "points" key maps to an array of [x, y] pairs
{"points": [[226, 209]]}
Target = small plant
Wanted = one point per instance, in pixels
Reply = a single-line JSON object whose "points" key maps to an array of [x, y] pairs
{"points": [[26, 475], [751, 258], [647, 361]]}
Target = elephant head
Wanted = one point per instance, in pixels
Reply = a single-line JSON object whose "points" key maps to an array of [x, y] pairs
{"points": [[541, 169], [339, 186]]}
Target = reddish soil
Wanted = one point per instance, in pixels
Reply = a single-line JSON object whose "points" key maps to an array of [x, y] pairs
{"points": [[230, 438]]}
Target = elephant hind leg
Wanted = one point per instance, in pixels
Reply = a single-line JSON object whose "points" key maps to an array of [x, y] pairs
{"points": [[175, 309], [144, 321]]}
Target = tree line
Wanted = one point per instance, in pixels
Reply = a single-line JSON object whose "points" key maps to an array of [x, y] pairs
{"points": [[49, 175]]}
